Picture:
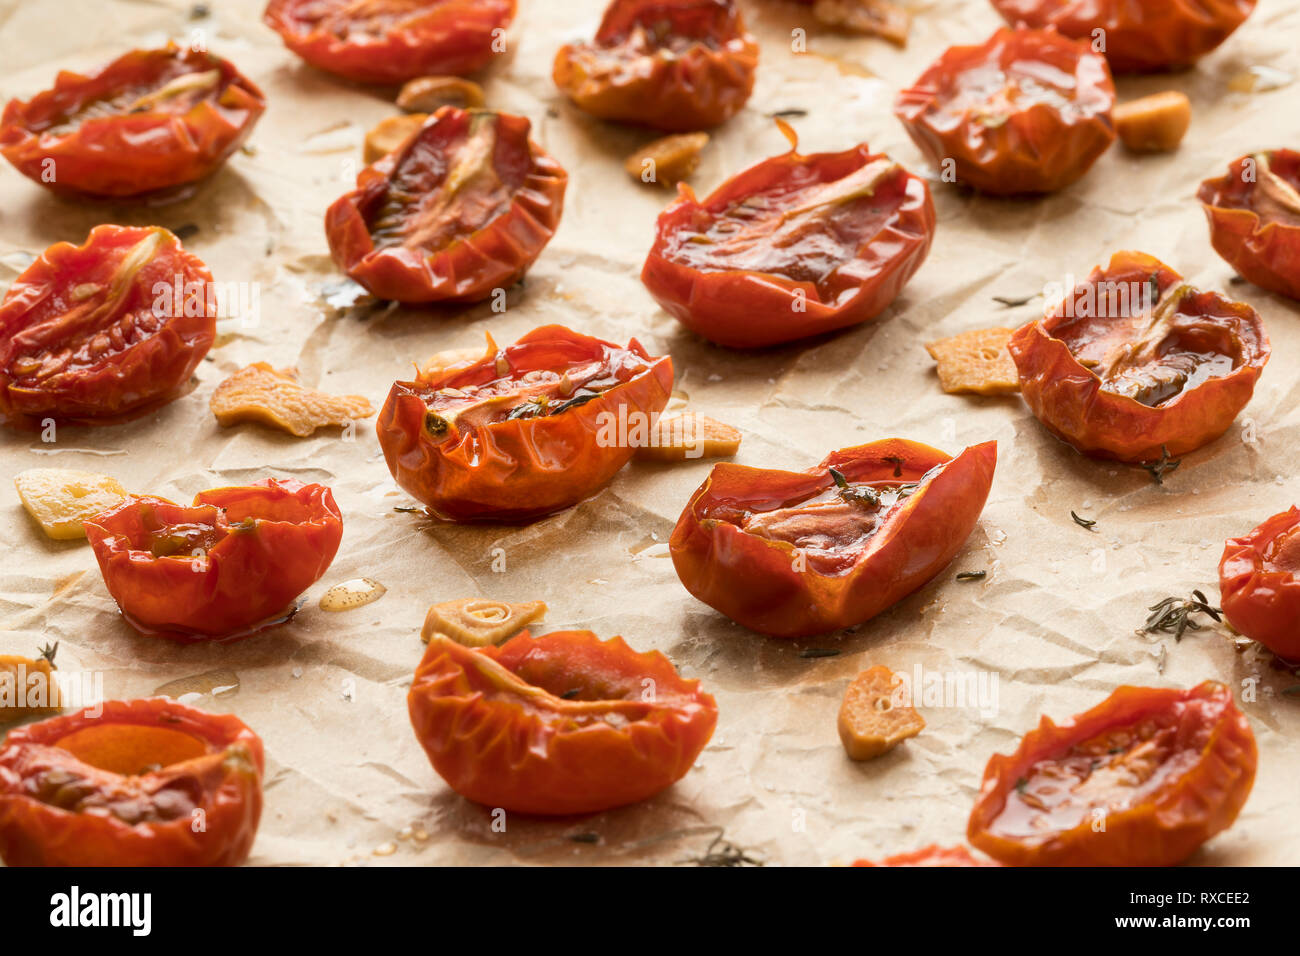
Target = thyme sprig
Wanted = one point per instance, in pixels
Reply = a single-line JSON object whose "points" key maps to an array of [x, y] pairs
{"points": [[863, 494], [722, 852], [1174, 615], [1163, 466], [47, 654]]}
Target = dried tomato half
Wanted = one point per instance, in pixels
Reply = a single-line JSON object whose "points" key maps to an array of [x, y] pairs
{"points": [[526, 430], [1259, 579], [146, 783], [796, 553], [559, 724], [1137, 36], [223, 568], [932, 855], [151, 120], [1254, 214], [1135, 363], [461, 208], [791, 247], [1027, 111], [391, 41], [676, 65], [1142, 779], [86, 337]]}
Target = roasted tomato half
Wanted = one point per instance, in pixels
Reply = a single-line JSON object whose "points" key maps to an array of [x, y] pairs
{"points": [[151, 120], [1135, 364], [559, 724], [1254, 214], [791, 247], [796, 553], [1139, 36], [1028, 111], [670, 64], [85, 337], [933, 855], [461, 208], [146, 783], [526, 430], [1142, 779], [1259, 579], [223, 568], [391, 41]]}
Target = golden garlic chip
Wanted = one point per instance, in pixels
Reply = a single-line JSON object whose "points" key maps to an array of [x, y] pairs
{"points": [[667, 161], [260, 393], [688, 436], [876, 715], [425, 94], [61, 499], [27, 687], [1155, 123], [976, 362], [477, 622], [880, 18], [390, 133]]}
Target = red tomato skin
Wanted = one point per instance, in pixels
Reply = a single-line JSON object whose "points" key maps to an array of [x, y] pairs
{"points": [[1037, 150], [143, 376], [454, 37], [749, 309], [698, 89], [471, 268], [130, 155], [503, 742], [247, 579], [1206, 799], [1263, 603], [1265, 253], [1143, 37], [33, 833], [1069, 401], [752, 580], [933, 855], [523, 469]]}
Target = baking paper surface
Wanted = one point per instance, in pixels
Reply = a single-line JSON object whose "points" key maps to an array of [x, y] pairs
{"points": [[1051, 628]]}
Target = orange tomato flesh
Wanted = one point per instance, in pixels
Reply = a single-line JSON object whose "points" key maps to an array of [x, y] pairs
{"points": [[132, 749], [1284, 552]]}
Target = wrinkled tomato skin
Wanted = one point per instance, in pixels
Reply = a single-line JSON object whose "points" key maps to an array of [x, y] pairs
{"points": [[754, 309], [523, 469], [245, 581], [131, 154], [1260, 598], [698, 88], [1163, 831], [753, 581], [1036, 149], [932, 855], [34, 833], [1069, 401], [112, 386], [1141, 37], [449, 37], [1265, 253], [495, 256], [498, 730]]}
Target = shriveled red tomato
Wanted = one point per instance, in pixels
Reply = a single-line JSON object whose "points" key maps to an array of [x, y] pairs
{"points": [[151, 120], [1142, 779], [1134, 363], [1259, 580], [85, 337], [463, 207], [391, 41], [1027, 111], [933, 855], [148, 782], [671, 64], [559, 724], [526, 430], [223, 568], [791, 247], [1137, 36], [1254, 214], [796, 553]]}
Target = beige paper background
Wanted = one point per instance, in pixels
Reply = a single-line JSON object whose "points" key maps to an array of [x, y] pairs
{"points": [[1054, 620]]}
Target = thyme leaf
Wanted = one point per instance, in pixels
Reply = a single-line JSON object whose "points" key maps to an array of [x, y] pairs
{"points": [[864, 494], [47, 654], [971, 575], [809, 653], [1174, 615], [1083, 522], [1012, 302]]}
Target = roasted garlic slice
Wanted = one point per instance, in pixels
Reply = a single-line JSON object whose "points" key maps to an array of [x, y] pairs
{"points": [[667, 161], [477, 622], [688, 436], [260, 393], [390, 133], [876, 716], [976, 362], [61, 499], [425, 94]]}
